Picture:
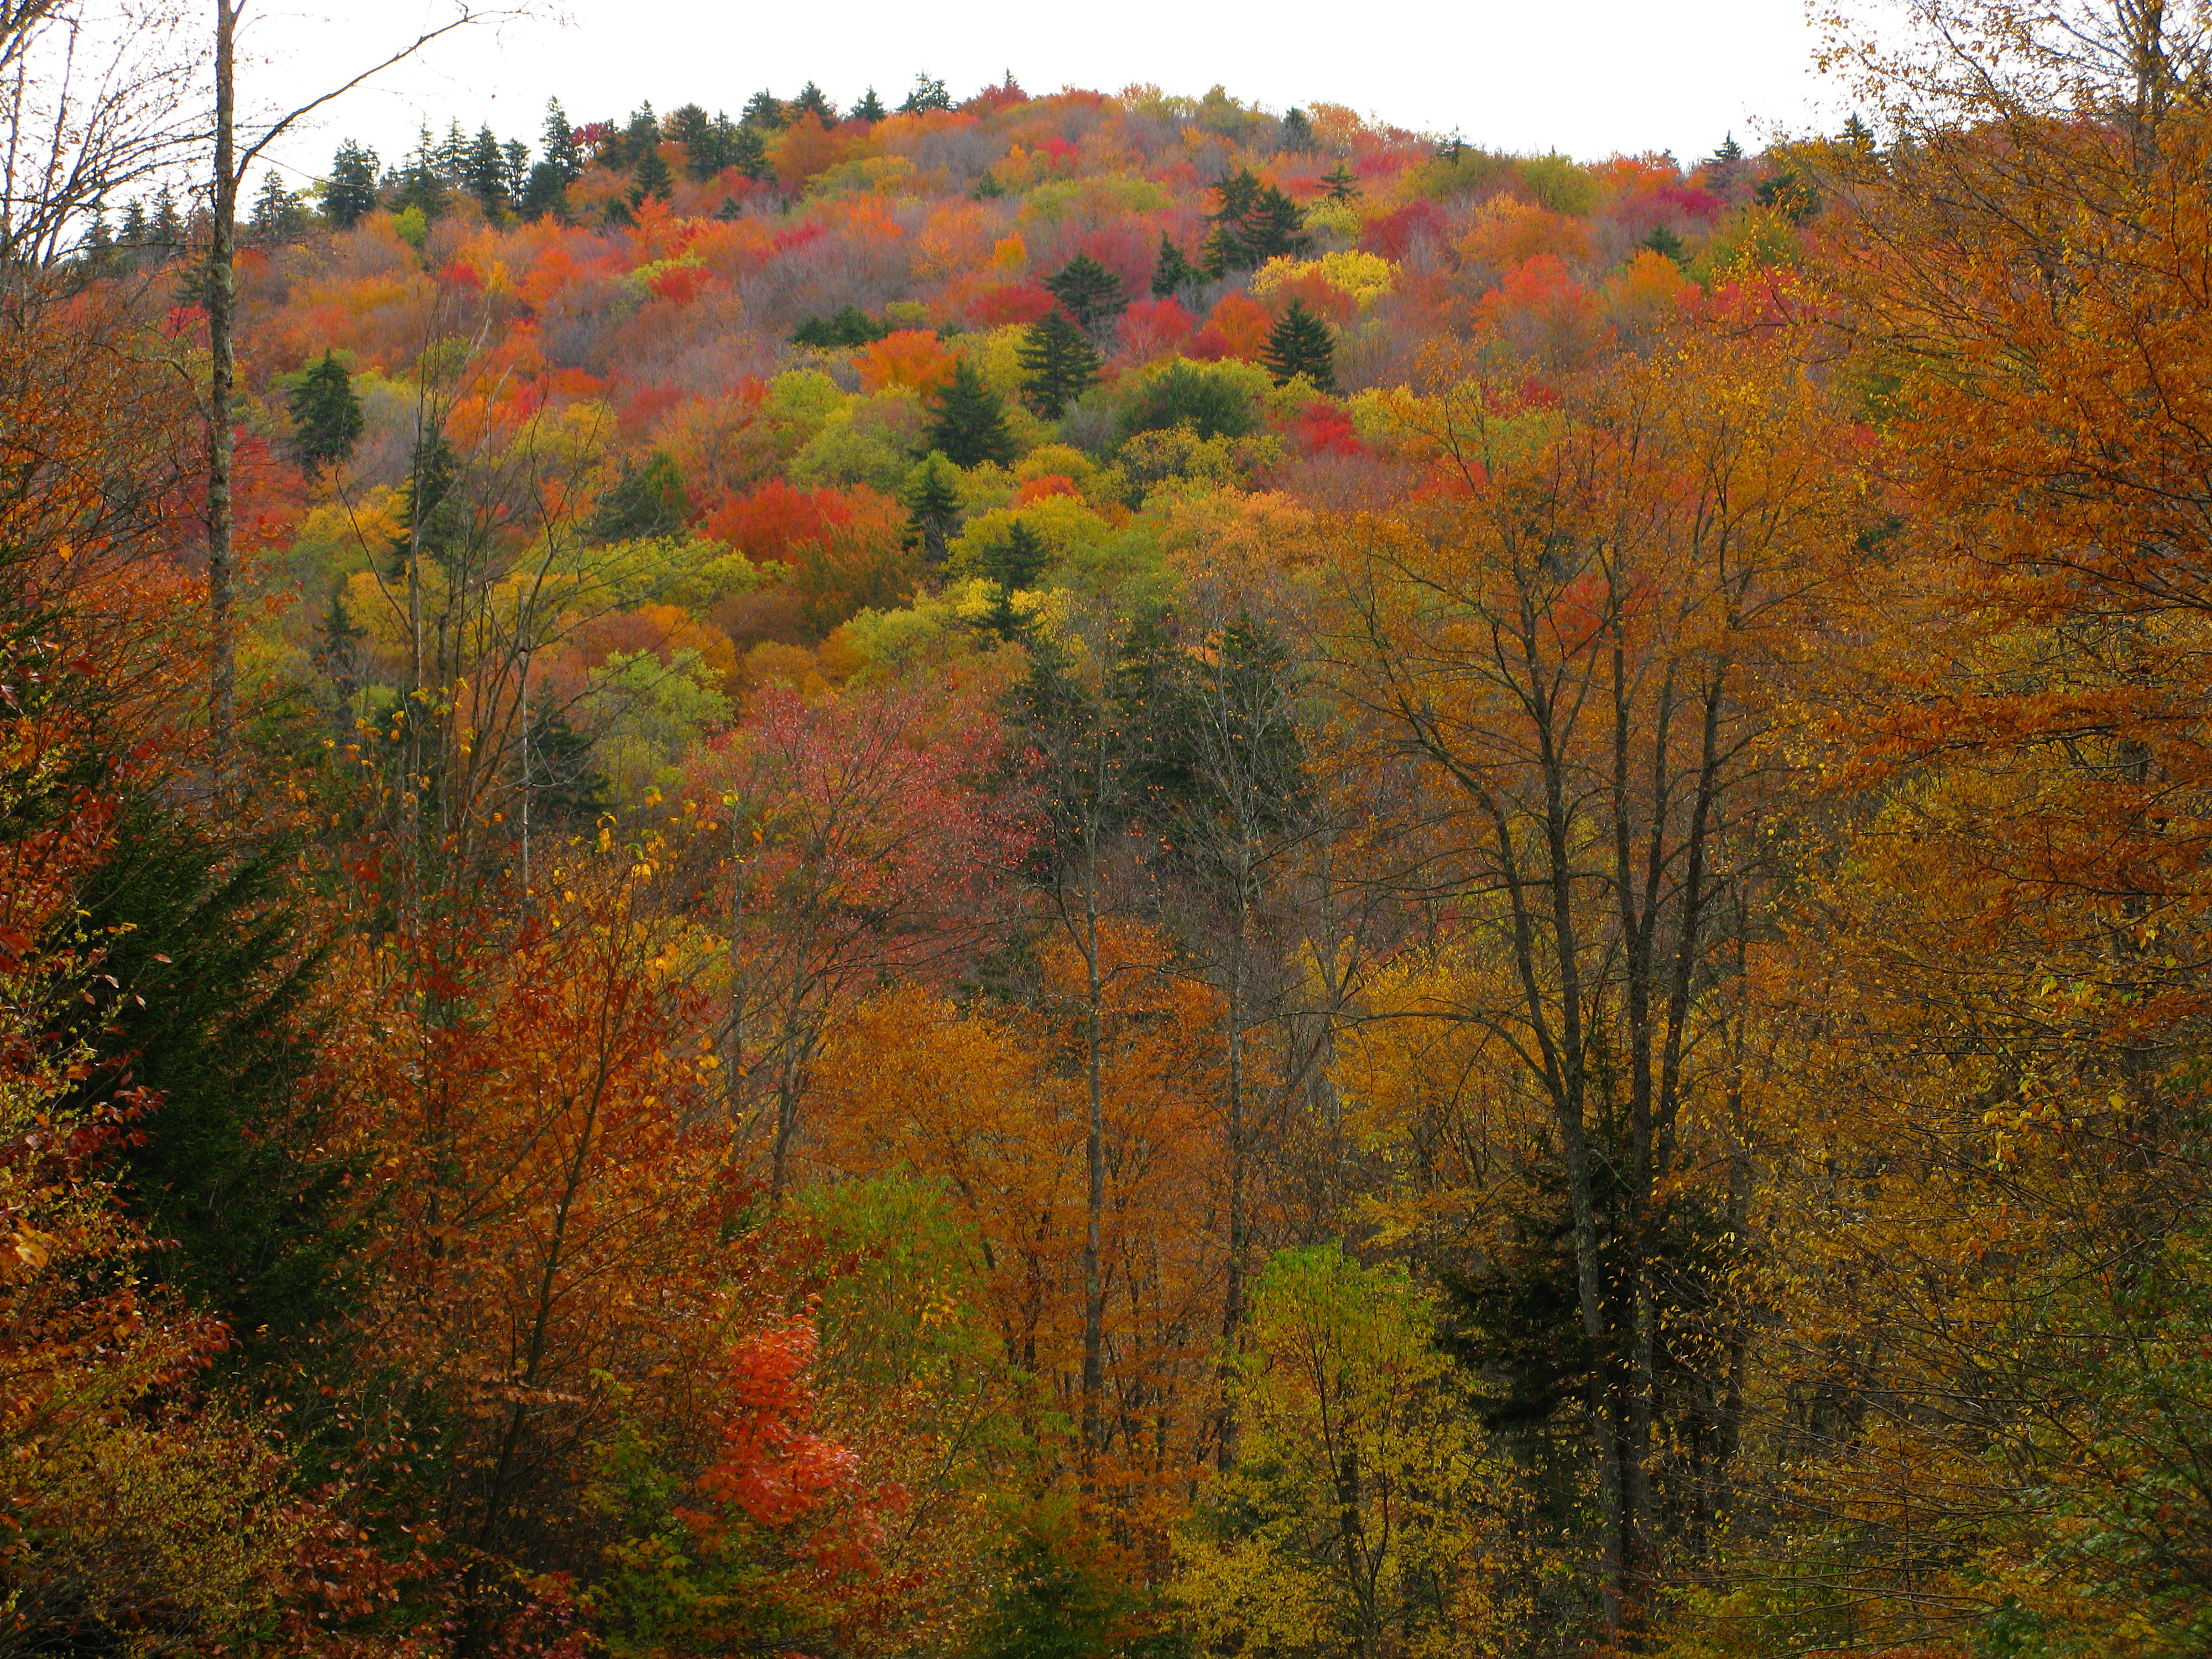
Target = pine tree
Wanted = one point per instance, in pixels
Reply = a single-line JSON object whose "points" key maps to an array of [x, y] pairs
{"points": [[1858, 135], [1014, 566], [969, 425], [1297, 132], [135, 232], [749, 153], [1663, 241], [931, 497], [420, 184], [764, 112], [985, 188], [1089, 291], [167, 230], [1728, 154], [1171, 272], [652, 178], [1342, 187], [1275, 227], [484, 174], [641, 135], [276, 214], [646, 502], [326, 418], [870, 109], [562, 150], [1058, 364], [451, 156], [546, 193], [690, 127], [515, 169], [99, 245], [811, 101], [429, 512], [927, 94], [1299, 343]]}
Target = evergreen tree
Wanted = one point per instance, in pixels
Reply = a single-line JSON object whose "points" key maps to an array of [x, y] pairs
{"points": [[1275, 227], [1858, 135], [420, 184], [484, 174], [167, 230], [870, 109], [811, 101], [430, 510], [927, 94], [98, 249], [1726, 157], [326, 418], [1297, 132], [641, 136], [931, 497], [1663, 241], [1012, 566], [987, 187], [337, 656], [749, 153], [1225, 248], [1299, 344], [562, 153], [970, 423], [277, 213], [135, 232], [764, 112], [1171, 271], [1091, 292], [1058, 364], [690, 127], [546, 193], [450, 158], [646, 500], [850, 327], [560, 773], [652, 178], [1342, 187], [206, 969], [515, 169], [722, 143], [731, 209]]}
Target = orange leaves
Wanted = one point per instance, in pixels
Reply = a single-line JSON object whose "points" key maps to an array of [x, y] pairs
{"points": [[776, 520], [1236, 327], [912, 358], [1545, 314]]}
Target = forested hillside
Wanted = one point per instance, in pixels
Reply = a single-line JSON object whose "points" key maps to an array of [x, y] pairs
{"points": [[1047, 877]]}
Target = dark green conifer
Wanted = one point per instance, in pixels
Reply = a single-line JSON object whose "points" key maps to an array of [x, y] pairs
{"points": [[484, 174], [1299, 343], [134, 233], [545, 194], [1171, 271], [987, 187], [813, 100], [1342, 186], [931, 498], [764, 112], [326, 418], [1014, 566], [870, 109], [167, 230], [652, 178], [515, 169], [1663, 241], [928, 94], [562, 150], [749, 153], [1274, 227], [970, 424], [1297, 132], [646, 500], [278, 216], [1059, 363], [1091, 293]]}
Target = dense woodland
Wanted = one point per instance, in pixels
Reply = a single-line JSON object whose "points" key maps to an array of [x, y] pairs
{"points": [[1041, 877]]}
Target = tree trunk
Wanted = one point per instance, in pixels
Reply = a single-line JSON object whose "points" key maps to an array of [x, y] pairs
{"points": [[1094, 1292]]}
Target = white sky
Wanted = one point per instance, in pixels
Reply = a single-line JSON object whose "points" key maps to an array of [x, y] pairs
{"points": [[1591, 79]]}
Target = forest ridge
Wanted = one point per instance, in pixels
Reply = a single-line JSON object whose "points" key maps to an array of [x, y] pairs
{"points": [[1040, 878]]}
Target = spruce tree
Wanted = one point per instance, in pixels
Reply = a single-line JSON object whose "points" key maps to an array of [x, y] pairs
{"points": [[1089, 291], [1858, 135], [562, 150], [927, 94], [1299, 343], [1014, 566], [1058, 364], [641, 135], [97, 248], [1663, 241], [652, 178], [276, 215], [931, 498], [134, 233], [167, 230], [690, 127], [450, 158], [813, 100], [1297, 132], [420, 183], [646, 502], [1342, 186], [1274, 227], [764, 112], [1172, 272], [515, 169], [970, 424], [749, 153], [870, 109], [485, 173], [326, 419], [545, 194]]}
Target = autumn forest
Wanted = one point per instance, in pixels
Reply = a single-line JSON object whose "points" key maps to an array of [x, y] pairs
{"points": [[1050, 876]]}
